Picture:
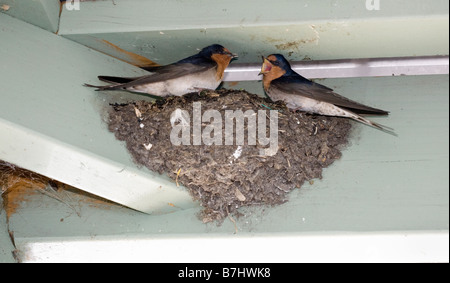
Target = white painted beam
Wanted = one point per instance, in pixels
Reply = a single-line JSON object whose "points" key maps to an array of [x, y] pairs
{"points": [[348, 68]]}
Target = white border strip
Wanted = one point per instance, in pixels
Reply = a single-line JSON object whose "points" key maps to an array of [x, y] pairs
{"points": [[348, 68], [410, 246]]}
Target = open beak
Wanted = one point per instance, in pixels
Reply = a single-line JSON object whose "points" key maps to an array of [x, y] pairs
{"points": [[266, 66]]}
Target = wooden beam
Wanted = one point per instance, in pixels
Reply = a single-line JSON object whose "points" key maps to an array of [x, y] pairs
{"points": [[55, 125]]}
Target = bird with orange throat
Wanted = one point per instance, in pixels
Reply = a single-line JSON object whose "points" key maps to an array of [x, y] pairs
{"points": [[203, 70], [280, 82]]}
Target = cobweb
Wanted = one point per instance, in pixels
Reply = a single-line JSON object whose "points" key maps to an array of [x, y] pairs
{"points": [[12, 176]]}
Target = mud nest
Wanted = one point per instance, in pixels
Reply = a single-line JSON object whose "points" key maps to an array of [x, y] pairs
{"points": [[226, 177]]}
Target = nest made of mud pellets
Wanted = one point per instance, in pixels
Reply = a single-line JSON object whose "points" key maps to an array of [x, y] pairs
{"points": [[226, 177]]}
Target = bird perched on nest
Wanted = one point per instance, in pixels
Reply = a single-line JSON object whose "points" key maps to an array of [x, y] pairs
{"points": [[201, 71], [280, 82]]}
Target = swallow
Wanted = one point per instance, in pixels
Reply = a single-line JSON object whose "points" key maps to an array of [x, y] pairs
{"points": [[280, 82], [203, 70]]}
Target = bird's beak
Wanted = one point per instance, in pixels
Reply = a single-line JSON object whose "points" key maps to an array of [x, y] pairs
{"points": [[232, 55], [266, 66]]}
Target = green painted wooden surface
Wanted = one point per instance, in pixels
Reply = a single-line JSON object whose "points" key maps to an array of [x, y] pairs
{"points": [[41, 13], [298, 29], [382, 183], [55, 126], [135, 15]]}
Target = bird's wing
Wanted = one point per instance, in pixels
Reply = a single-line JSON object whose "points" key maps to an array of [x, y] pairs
{"points": [[320, 92], [158, 74], [117, 80]]}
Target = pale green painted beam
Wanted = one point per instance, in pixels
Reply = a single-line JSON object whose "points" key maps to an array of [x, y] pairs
{"points": [[299, 29], [142, 15], [41, 13], [382, 183], [53, 125], [383, 186]]}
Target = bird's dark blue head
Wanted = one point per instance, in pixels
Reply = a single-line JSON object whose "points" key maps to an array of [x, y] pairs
{"points": [[276, 66], [209, 51], [213, 52], [276, 60]]}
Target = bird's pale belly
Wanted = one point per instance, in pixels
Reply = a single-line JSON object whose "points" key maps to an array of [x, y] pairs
{"points": [[181, 85], [298, 102]]}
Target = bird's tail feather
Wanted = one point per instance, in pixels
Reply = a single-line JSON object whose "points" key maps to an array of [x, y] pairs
{"points": [[98, 87], [383, 128], [105, 87]]}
